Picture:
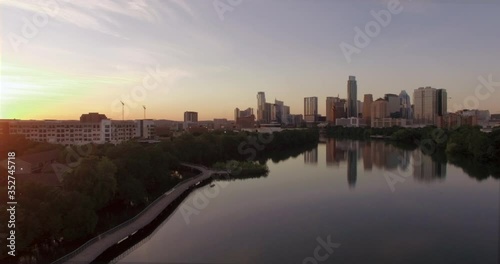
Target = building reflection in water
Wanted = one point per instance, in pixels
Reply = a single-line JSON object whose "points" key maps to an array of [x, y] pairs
{"points": [[381, 155], [404, 159], [367, 156], [311, 156], [345, 150], [427, 170], [334, 154], [352, 167]]}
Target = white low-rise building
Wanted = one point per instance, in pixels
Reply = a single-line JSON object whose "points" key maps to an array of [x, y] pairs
{"points": [[73, 132]]}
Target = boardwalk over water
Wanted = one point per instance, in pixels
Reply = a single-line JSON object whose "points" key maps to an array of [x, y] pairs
{"points": [[95, 247]]}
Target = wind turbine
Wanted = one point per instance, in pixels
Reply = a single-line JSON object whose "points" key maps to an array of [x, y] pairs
{"points": [[123, 111]]}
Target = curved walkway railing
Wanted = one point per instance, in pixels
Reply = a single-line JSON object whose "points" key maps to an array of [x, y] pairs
{"points": [[112, 230]]}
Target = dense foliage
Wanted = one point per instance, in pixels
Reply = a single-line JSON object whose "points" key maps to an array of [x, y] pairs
{"points": [[471, 142], [242, 168], [209, 148]]}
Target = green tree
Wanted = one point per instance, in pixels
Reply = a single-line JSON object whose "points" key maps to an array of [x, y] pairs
{"points": [[94, 177], [79, 218]]}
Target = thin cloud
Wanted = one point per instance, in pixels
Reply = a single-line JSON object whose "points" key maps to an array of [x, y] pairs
{"points": [[184, 6], [101, 15]]}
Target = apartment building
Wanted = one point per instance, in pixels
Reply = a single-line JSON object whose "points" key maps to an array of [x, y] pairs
{"points": [[72, 132]]}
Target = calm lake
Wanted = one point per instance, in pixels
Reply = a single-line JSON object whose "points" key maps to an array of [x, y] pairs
{"points": [[338, 192]]}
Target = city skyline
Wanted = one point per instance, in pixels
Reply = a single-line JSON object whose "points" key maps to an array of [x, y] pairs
{"points": [[397, 102], [91, 55]]}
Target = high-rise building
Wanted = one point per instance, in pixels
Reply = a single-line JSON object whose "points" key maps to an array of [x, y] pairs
{"points": [[311, 109], [261, 105], [331, 110], [352, 97], [405, 105], [379, 110], [190, 116], [274, 114], [367, 108], [296, 120], [425, 105], [340, 109], [285, 119], [267, 113], [429, 104], [236, 114], [278, 111], [442, 102], [359, 108], [245, 113], [393, 108]]}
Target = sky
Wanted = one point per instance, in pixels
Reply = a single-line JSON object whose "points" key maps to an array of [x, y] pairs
{"points": [[60, 59]]}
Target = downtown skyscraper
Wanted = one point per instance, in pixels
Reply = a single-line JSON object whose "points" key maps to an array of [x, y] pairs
{"points": [[367, 108], [276, 112], [430, 103], [330, 109], [352, 97], [261, 107], [405, 104], [311, 109]]}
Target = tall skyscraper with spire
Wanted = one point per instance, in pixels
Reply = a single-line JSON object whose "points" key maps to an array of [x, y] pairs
{"points": [[352, 97]]}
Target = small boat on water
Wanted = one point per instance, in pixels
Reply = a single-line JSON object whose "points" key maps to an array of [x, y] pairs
{"points": [[212, 185]]}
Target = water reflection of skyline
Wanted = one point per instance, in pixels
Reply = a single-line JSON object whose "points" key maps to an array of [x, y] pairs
{"points": [[311, 156], [427, 170], [381, 155], [352, 167]]}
